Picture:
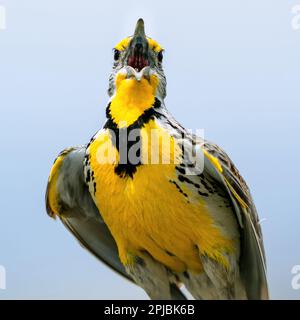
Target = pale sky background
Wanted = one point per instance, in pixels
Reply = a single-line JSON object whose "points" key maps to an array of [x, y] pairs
{"points": [[233, 68]]}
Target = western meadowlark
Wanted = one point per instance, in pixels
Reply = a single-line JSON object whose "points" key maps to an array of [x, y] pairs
{"points": [[160, 205]]}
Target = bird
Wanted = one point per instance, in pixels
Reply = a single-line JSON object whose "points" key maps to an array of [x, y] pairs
{"points": [[163, 207]]}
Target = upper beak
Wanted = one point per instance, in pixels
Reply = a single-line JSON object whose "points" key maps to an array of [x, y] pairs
{"points": [[138, 57]]}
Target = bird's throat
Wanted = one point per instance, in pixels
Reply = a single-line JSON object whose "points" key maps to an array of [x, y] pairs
{"points": [[132, 99]]}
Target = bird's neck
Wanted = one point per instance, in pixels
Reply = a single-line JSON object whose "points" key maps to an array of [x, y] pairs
{"points": [[131, 100]]}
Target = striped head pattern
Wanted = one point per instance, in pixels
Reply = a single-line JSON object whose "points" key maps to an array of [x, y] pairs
{"points": [[138, 62]]}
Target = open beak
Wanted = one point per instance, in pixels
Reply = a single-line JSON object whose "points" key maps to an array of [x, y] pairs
{"points": [[138, 57]]}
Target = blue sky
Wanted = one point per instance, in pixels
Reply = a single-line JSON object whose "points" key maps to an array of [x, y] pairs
{"points": [[233, 69]]}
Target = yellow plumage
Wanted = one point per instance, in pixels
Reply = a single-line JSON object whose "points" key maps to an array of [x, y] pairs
{"points": [[52, 190], [132, 99], [140, 212]]}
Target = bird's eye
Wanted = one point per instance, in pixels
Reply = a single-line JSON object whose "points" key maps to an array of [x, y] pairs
{"points": [[160, 56], [116, 54]]}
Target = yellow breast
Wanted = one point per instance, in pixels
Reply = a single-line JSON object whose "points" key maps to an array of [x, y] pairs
{"points": [[148, 212]]}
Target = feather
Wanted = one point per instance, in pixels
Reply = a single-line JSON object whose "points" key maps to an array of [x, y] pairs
{"points": [[81, 217]]}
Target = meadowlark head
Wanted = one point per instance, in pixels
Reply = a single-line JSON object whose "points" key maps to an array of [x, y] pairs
{"points": [[138, 59]]}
